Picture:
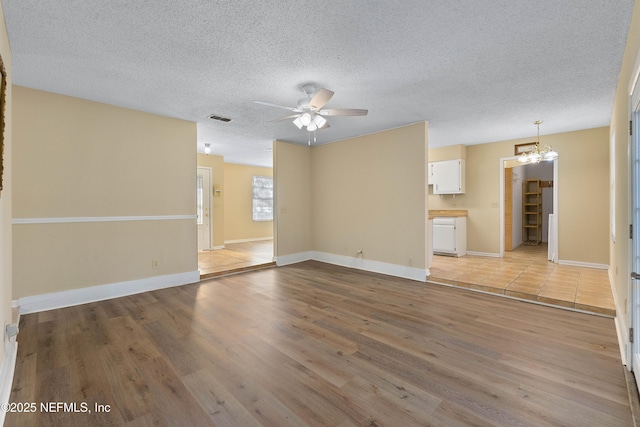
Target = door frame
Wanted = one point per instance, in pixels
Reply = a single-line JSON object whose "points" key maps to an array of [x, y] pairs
{"points": [[209, 171], [555, 206], [633, 348]]}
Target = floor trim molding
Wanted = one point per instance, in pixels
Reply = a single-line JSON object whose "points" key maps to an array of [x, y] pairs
{"points": [[6, 373], [50, 301], [619, 322], [634, 398], [560, 307], [487, 254], [255, 239], [419, 274], [583, 264], [293, 258]]}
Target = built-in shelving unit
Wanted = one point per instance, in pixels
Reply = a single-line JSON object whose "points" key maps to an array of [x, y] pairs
{"points": [[531, 212]]}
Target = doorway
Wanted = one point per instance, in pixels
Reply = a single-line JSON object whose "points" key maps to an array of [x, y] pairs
{"points": [[512, 176], [229, 239], [203, 208]]}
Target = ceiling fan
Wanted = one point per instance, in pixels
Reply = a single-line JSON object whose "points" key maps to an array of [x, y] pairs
{"points": [[309, 113]]}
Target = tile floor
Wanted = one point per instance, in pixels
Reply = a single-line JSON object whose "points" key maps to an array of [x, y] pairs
{"points": [[236, 257], [526, 273]]}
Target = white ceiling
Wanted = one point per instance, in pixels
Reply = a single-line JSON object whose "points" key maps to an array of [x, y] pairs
{"points": [[476, 70]]}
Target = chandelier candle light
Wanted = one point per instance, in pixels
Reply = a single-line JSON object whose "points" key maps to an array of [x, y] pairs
{"points": [[539, 152]]}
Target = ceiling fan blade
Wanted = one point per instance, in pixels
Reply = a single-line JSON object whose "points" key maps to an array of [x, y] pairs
{"points": [[343, 112], [320, 98], [268, 104], [285, 118]]}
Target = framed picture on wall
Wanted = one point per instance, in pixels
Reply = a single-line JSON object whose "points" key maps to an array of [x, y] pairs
{"points": [[3, 91], [524, 148]]}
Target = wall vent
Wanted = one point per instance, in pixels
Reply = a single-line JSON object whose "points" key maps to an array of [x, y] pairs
{"points": [[219, 118]]}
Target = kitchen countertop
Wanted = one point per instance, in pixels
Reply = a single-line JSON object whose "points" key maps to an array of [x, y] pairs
{"points": [[446, 213]]}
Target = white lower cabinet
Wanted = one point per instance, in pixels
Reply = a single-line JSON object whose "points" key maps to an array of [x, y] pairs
{"points": [[450, 236]]}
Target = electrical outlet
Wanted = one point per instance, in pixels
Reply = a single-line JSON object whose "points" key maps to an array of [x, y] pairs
{"points": [[155, 263]]}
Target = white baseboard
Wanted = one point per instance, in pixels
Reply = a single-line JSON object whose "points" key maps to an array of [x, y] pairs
{"points": [[620, 322], [622, 338], [419, 274], [487, 254], [584, 264], [412, 273], [255, 239], [6, 373], [293, 258], [215, 248], [44, 302]]}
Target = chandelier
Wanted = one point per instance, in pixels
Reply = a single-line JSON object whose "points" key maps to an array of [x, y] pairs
{"points": [[539, 152]]}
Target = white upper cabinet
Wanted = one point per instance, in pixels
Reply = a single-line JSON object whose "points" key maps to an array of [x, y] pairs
{"points": [[447, 176]]}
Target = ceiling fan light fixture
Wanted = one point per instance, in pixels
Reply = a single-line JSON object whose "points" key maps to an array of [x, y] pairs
{"points": [[309, 114], [305, 119], [319, 121]]}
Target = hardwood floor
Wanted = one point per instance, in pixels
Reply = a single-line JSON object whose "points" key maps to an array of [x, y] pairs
{"points": [[236, 257], [314, 344]]}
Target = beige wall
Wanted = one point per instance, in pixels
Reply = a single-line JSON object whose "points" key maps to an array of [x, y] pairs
{"points": [[293, 216], [619, 251], [452, 152], [216, 164], [239, 223], [76, 158], [369, 193], [583, 181], [364, 193], [6, 276]]}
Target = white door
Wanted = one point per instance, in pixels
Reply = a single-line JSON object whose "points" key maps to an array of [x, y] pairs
{"points": [[203, 198]]}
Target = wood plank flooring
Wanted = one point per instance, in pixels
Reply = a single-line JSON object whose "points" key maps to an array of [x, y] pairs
{"points": [[319, 345]]}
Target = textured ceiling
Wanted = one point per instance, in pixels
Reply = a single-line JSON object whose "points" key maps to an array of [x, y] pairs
{"points": [[476, 70]]}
